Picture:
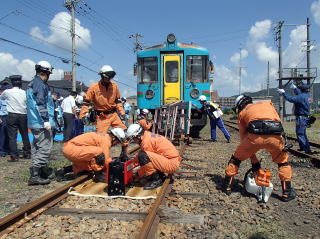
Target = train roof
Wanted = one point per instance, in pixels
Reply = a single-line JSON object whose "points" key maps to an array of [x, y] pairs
{"points": [[180, 45]]}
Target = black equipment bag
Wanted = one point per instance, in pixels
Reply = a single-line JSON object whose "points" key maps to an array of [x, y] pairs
{"points": [[265, 127], [311, 120]]}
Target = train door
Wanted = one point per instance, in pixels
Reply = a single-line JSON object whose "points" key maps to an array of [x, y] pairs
{"points": [[171, 78]]}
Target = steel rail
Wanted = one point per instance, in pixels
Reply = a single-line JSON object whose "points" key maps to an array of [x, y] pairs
{"points": [[25, 213], [152, 220], [33, 209]]}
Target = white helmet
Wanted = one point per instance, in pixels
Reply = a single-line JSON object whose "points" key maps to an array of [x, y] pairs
{"points": [[238, 100], [123, 99], [44, 66], [144, 112], [202, 98], [119, 134], [138, 111], [105, 69], [134, 130], [79, 99], [241, 102]]}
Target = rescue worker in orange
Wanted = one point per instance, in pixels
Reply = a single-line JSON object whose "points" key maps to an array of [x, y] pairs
{"points": [[143, 119], [260, 128], [157, 155], [90, 152], [105, 96]]}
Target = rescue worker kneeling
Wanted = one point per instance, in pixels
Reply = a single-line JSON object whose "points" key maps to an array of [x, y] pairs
{"points": [[260, 128], [157, 156], [90, 152]]}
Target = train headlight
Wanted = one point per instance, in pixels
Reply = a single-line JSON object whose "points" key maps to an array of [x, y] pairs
{"points": [[149, 94], [171, 38], [194, 93]]}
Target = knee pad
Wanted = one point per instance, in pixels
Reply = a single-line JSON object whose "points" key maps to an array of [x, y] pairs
{"points": [[143, 158]]}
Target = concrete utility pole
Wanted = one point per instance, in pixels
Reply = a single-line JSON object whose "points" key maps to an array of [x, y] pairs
{"points": [[278, 30], [137, 44], [70, 4], [308, 51], [268, 79], [240, 70]]}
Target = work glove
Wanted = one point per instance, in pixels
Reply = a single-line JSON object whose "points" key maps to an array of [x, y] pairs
{"points": [[122, 117], [100, 159], [281, 91], [47, 125], [293, 86]]}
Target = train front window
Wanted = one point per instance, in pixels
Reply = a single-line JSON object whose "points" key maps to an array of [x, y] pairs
{"points": [[197, 69], [171, 71], [147, 70]]}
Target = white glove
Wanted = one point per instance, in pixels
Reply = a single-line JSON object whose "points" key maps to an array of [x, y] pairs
{"points": [[47, 125], [281, 91], [293, 86], [135, 170]]}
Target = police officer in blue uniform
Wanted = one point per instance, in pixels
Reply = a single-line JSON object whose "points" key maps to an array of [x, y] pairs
{"points": [[40, 111], [301, 111]]}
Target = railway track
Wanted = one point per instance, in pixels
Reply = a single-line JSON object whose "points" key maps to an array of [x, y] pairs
{"points": [[53, 203], [315, 158]]}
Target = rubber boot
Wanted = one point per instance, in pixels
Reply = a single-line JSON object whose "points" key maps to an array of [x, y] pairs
{"points": [[288, 193], [100, 176], [154, 182], [35, 178], [64, 174], [47, 172], [226, 186]]}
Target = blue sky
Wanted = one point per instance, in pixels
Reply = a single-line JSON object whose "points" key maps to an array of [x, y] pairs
{"points": [[103, 28]]}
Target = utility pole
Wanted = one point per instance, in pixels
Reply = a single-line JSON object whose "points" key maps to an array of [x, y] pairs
{"points": [[268, 79], [70, 4], [137, 44], [240, 70], [308, 51], [278, 29]]}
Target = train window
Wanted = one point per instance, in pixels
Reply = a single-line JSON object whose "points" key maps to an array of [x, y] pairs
{"points": [[171, 71], [147, 70], [197, 68]]}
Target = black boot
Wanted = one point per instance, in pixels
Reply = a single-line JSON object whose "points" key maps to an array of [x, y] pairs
{"points": [[226, 186], [154, 181], [47, 172], [100, 176], [288, 193], [64, 174], [35, 178]]}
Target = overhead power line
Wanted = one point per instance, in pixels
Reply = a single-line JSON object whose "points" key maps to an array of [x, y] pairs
{"points": [[64, 60]]}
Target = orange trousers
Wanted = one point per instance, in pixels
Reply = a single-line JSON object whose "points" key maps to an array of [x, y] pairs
{"points": [[159, 162], [104, 122], [252, 143], [82, 157]]}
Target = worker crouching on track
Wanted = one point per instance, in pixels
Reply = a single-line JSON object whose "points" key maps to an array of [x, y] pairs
{"points": [[105, 96], [90, 152], [143, 119], [260, 128], [157, 155]]}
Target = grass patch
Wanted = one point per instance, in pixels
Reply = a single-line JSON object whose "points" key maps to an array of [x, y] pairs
{"points": [[263, 231]]}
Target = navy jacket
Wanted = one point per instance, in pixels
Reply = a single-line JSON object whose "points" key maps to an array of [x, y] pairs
{"points": [[300, 101]]}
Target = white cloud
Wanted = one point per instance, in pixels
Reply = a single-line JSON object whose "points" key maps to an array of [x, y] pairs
{"points": [[315, 10], [236, 57], [260, 29], [11, 66], [60, 34]]}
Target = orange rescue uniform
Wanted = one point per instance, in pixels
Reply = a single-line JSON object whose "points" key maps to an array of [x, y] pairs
{"points": [[82, 149], [104, 100], [145, 124], [161, 152], [250, 143]]}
